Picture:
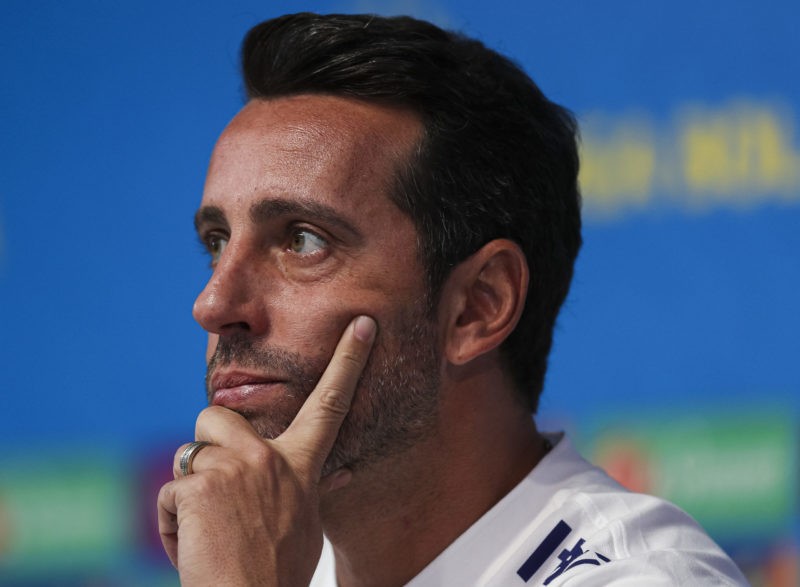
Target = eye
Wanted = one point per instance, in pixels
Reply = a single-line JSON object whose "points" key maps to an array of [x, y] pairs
{"points": [[215, 244], [305, 242]]}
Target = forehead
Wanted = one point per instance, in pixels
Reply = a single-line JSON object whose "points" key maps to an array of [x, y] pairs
{"points": [[310, 146]]}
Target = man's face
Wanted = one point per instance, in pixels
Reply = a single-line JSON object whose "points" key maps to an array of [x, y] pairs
{"points": [[303, 237]]}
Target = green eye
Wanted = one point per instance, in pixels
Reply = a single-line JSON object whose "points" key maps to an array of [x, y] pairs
{"points": [[305, 242], [215, 244]]}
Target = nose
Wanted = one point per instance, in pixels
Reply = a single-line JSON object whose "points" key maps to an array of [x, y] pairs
{"points": [[233, 299]]}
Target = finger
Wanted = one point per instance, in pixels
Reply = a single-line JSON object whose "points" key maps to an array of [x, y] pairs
{"points": [[224, 427], [197, 464], [311, 435], [168, 522]]}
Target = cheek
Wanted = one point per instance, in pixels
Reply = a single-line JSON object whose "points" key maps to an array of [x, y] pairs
{"points": [[315, 325], [310, 317]]}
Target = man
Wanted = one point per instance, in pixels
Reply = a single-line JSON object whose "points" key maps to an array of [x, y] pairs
{"points": [[392, 221]]}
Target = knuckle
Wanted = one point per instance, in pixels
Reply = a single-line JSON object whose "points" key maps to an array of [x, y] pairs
{"points": [[352, 357], [164, 493], [258, 459], [263, 457], [201, 484], [205, 415], [335, 400]]}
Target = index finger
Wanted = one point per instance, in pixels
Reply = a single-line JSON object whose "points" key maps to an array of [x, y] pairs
{"points": [[312, 433]]}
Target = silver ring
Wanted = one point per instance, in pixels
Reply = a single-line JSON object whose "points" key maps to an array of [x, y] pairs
{"points": [[188, 455]]}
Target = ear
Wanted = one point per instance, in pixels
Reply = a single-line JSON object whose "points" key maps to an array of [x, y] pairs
{"points": [[483, 300]]}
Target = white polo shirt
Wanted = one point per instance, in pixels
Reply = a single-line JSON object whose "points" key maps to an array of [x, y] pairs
{"points": [[568, 524]]}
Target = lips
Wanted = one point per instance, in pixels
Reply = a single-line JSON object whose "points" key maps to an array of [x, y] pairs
{"points": [[236, 390]]}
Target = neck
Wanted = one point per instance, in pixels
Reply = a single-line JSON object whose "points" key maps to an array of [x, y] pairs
{"points": [[398, 515]]}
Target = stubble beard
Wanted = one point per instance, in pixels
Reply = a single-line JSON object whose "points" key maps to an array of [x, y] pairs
{"points": [[396, 400]]}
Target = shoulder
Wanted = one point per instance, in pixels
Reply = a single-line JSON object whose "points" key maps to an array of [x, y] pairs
{"points": [[613, 537], [567, 524]]}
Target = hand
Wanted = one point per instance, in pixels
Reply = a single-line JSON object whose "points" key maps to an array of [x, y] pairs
{"points": [[249, 514]]}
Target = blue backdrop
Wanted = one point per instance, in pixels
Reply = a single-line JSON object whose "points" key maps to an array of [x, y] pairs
{"points": [[675, 361]]}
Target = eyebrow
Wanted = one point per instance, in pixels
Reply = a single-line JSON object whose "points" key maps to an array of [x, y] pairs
{"points": [[209, 215], [307, 209], [268, 208]]}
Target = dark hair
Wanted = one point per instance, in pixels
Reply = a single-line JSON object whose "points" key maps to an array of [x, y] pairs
{"points": [[497, 159]]}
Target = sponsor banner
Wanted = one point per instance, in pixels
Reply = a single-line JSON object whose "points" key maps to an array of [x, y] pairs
{"points": [[736, 473], [64, 514], [738, 154]]}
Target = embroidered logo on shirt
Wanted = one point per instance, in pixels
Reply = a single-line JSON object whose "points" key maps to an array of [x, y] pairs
{"points": [[573, 557], [570, 558]]}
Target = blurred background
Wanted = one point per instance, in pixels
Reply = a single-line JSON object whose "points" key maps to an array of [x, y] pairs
{"points": [[676, 358]]}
